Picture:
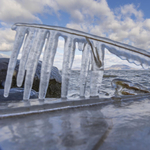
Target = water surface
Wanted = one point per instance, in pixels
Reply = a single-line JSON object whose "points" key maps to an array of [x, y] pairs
{"points": [[136, 76]]}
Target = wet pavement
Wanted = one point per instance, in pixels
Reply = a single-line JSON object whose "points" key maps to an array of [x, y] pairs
{"points": [[116, 126], [131, 126]]}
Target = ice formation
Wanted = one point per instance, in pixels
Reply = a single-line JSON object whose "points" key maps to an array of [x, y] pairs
{"points": [[125, 87], [35, 36]]}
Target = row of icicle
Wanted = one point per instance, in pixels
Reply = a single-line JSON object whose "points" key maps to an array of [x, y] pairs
{"points": [[34, 40]]}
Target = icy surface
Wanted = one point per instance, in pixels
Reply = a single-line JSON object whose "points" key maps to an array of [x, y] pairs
{"points": [[92, 47], [125, 87], [116, 126]]}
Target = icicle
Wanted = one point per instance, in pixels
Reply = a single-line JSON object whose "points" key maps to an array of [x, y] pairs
{"points": [[33, 47], [33, 60], [67, 64], [72, 54], [84, 69], [13, 59], [130, 56], [47, 63], [25, 52], [97, 68]]}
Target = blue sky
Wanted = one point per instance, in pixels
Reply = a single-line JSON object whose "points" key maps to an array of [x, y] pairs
{"points": [[126, 21]]}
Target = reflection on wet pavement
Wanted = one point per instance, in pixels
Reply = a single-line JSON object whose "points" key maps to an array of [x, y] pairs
{"points": [[70, 129], [131, 126], [121, 125]]}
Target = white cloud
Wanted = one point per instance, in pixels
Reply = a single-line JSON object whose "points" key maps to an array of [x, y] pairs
{"points": [[125, 23], [58, 60], [91, 16], [77, 62], [61, 43], [129, 10], [6, 39], [147, 24], [12, 11]]}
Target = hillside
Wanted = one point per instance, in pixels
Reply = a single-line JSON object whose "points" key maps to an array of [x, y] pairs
{"points": [[120, 67]]}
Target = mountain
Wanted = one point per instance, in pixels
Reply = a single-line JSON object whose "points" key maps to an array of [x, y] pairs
{"points": [[120, 67], [3, 56]]}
